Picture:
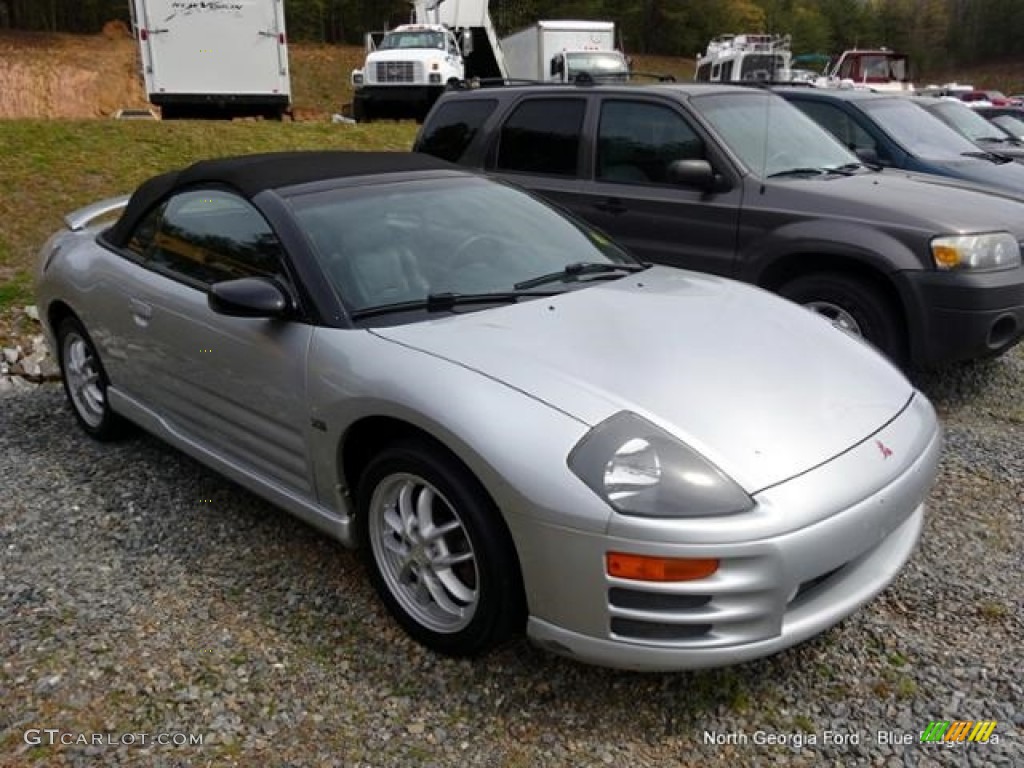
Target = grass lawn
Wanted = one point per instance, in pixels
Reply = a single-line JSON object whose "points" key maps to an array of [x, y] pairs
{"points": [[53, 167]]}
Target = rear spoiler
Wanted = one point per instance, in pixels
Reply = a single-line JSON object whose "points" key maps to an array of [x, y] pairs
{"points": [[83, 217]]}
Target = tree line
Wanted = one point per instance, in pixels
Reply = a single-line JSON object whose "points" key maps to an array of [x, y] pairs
{"points": [[935, 32]]}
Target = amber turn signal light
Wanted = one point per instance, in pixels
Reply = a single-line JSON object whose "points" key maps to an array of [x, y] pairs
{"points": [[648, 568]]}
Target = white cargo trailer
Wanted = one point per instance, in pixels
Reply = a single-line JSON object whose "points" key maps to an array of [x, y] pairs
{"points": [[561, 50], [214, 58]]}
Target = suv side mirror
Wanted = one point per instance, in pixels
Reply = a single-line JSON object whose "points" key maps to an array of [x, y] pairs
{"points": [[693, 173]]}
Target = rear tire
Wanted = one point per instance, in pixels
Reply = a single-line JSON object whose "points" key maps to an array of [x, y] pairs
{"points": [[854, 305], [85, 383], [437, 550]]}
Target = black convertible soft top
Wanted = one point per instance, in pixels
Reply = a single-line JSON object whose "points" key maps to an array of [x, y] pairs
{"points": [[251, 174]]}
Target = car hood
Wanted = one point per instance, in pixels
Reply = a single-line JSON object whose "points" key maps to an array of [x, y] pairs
{"points": [[1006, 178], [761, 387], [915, 200]]}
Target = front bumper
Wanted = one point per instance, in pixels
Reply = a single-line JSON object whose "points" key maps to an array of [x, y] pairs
{"points": [[963, 315], [398, 96], [771, 591]]}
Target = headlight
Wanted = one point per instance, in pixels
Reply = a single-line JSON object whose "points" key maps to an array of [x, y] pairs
{"points": [[996, 250], [357, 78], [642, 470]]}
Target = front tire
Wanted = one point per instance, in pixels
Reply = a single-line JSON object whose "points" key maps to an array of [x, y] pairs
{"points": [[85, 382], [437, 550], [855, 305]]}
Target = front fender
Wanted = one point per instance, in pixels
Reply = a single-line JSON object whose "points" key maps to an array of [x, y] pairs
{"points": [[863, 243], [516, 445]]}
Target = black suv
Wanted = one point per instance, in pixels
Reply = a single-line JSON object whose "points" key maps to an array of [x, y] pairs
{"points": [[736, 181], [893, 130]]}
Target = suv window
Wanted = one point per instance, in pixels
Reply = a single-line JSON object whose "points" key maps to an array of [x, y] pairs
{"points": [[841, 125], [206, 236], [453, 127], [542, 136], [637, 141]]}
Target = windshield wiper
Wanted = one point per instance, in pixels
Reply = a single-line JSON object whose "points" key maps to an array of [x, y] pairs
{"points": [[445, 302], [842, 170], [992, 157], [574, 270]]}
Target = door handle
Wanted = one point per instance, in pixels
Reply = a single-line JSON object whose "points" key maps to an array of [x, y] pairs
{"points": [[141, 311], [611, 205]]}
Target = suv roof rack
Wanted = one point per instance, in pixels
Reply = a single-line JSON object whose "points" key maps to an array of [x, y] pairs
{"points": [[582, 80]]}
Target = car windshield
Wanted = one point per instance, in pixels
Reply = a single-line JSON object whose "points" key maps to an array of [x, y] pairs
{"points": [[966, 121], [1012, 125], [419, 39], [385, 244], [762, 66], [598, 64], [919, 132], [771, 136]]}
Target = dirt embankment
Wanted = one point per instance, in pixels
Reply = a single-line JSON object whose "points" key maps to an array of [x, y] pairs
{"points": [[69, 76]]}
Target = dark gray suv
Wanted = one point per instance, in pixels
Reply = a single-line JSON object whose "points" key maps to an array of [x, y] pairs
{"points": [[737, 182]]}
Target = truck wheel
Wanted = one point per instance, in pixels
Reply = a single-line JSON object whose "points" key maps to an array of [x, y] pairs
{"points": [[361, 112], [854, 305]]}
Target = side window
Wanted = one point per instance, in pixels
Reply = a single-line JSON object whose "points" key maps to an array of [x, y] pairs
{"points": [[836, 122], [454, 126], [209, 235], [637, 141], [142, 238], [542, 136]]}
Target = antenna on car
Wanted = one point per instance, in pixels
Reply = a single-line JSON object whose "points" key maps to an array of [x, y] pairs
{"points": [[764, 133]]}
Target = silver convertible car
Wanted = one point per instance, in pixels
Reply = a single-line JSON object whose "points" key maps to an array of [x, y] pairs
{"points": [[519, 424]]}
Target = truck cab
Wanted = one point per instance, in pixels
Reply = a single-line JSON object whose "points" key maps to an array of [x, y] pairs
{"points": [[406, 71]]}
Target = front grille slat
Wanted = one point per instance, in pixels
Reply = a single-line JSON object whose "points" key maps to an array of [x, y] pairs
{"points": [[398, 71], [644, 630]]}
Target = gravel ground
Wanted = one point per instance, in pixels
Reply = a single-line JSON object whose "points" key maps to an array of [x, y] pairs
{"points": [[141, 594]]}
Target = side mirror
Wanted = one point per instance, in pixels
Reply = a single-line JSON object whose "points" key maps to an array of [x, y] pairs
{"points": [[466, 42], [868, 156], [248, 297], [557, 66], [694, 173]]}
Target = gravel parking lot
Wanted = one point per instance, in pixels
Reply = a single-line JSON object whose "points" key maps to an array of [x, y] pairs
{"points": [[143, 597]]}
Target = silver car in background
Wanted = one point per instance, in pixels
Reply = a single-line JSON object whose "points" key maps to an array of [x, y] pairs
{"points": [[519, 424]]}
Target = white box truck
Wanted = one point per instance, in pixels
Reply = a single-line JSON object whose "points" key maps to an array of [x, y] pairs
{"points": [[214, 58], [559, 51]]}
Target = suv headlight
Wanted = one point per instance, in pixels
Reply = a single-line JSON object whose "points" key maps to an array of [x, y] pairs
{"points": [[640, 469], [995, 250]]}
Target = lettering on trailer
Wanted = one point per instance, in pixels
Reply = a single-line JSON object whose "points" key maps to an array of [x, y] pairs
{"points": [[190, 7]]}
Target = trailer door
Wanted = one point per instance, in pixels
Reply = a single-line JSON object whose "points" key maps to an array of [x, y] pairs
{"points": [[216, 46]]}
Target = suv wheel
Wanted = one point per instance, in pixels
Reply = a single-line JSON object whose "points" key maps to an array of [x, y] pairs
{"points": [[853, 305]]}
